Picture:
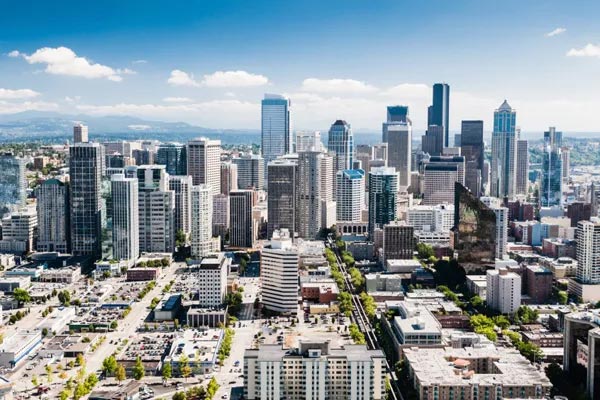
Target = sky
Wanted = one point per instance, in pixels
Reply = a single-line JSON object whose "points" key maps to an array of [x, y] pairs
{"points": [[209, 63]]}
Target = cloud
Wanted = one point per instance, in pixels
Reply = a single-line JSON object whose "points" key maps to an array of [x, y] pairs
{"points": [[181, 78], [12, 94], [12, 108], [408, 91], [234, 79], [64, 61], [342, 86], [589, 50], [73, 99], [139, 62], [177, 99], [556, 32]]}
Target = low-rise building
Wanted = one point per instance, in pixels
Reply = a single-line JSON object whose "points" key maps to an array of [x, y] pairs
{"points": [[16, 347], [66, 275], [322, 291], [142, 274], [169, 308], [401, 266], [198, 317], [477, 285], [200, 347]]}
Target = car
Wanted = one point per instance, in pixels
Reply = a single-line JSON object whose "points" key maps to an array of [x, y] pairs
{"points": [[179, 386], [232, 382], [225, 396]]}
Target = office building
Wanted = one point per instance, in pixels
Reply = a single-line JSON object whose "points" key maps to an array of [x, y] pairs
{"points": [[202, 213], [181, 185], [398, 241], [13, 183], [350, 195], [18, 230], [250, 171], [379, 151], [440, 173], [53, 215], [282, 198], [397, 133], [565, 153], [309, 194], [551, 189], [212, 279], [156, 205], [308, 140], [241, 224], [220, 217], [503, 290], [439, 111], [204, 163], [522, 170], [539, 284], [504, 148], [501, 230], [581, 343], [229, 177], [432, 142], [279, 274], [327, 177], [472, 149], [276, 133], [173, 157], [579, 211], [85, 172], [340, 144], [125, 218], [314, 371], [437, 218], [588, 251], [80, 133], [143, 156], [383, 190]]}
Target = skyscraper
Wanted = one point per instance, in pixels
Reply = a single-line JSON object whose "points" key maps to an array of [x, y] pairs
{"points": [[13, 183], [308, 140], [350, 195], [588, 251], [522, 170], [276, 135], [551, 190], [53, 215], [433, 140], [398, 241], [383, 191], [250, 171], [472, 149], [173, 156], [281, 208], [309, 202], [439, 111], [202, 212], [80, 133], [229, 177], [397, 133], [220, 217], [241, 225], [566, 163], [439, 176], [504, 147], [85, 171], [340, 144], [125, 218], [279, 273], [204, 163], [181, 185]]}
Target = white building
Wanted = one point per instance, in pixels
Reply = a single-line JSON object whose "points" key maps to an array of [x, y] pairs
{"points": [[17, 231], [204, 163], [212, 280], [308, 140], [440, 174], [432, 218], [503, 290], [181, 185], [80, 133], [202, 212], [350, 196], [279, 274], [501, 231], [125, 223]]}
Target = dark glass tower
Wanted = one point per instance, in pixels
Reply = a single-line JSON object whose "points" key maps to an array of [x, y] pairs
{"points": [[551, 193], [438, 112], [472, 147]]}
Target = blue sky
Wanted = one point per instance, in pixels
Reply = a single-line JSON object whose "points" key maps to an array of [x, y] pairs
{"points": [[209, 63]]}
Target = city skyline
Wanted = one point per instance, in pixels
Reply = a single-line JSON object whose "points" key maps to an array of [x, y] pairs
{"points": [[211, 64]]}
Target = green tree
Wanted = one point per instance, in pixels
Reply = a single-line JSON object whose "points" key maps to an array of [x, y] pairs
{"points": [[120, 374], [109, 365], [64, 296], [356, 277], [563, 297], [79, 360], [184, 366], [526, 315], [34, 380], [49, 372], [91, 381], [138, 370], [21, 296], [369, 305], [425, 251], [501, 321], [167, 371], [476, 302], [179, 396], [345, 300], [212, 388], [64, 394], [180, 238], [357, 336]]}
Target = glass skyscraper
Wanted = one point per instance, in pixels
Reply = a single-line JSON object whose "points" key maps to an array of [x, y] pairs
{"points": [[276, 139], [173, 157], [341, 143], [13, 184], [551, 192], [504, 146], [438, 112], [383, 189], [472, 147], [397, 134]]}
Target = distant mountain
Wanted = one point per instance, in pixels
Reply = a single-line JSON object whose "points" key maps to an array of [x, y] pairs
{"points": [[56, 127]]}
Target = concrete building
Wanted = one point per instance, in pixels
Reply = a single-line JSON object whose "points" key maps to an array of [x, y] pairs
{"points": [[501, 230], [522, 169], [432, 142], [350, 196], [204, 163], [279, 274], [125, 218], [581, 344], [53, 215], [398, 136], [314, 371], [435, 218], [16, 347], [250, 171], [539, 283], [308, 140], [398, 241], [181, 185], [309, 201], [212, 280], [229, 177], [383, 190], [439, 176], [80, 133], [18, 230], [220, 216], [202, 213], [174, 157], [241, 224], [282, 198], [503, 290]]}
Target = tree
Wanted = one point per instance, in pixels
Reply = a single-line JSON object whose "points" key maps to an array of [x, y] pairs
{"points": [[356, 277], [179, 396], [109, 365], [64, 394], [120, 373], [64, 297], [91, 381], [138, 370], [62, 375], [563, 297], [184, 366], [476, 302], [48, 369], [21, 296], [425, 251], [449, 273], [167, 371], [34, 380], [79, 360], [212, 388], [369, 305], [180, 238], [527, 315], [357, 336]]}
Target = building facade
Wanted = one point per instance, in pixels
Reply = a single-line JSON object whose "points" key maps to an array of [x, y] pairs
{"points": [[204, 163], [202, 213], [53, 214], [279, 274], [125, 218], [504, 148], [350, 185], [241, 224]]}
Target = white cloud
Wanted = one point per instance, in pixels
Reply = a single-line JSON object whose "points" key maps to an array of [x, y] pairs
{"points": [[234, 79], [556, 32], [11, 94], [139, 62], [64, 61], [177, 99], [342, 86], [408, 91], [12, 108], [73, 99], [182, 78], [589, 50], [126, 71]]}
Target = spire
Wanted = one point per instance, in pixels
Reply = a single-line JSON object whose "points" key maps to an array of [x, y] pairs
{"points": [[505, 106]]}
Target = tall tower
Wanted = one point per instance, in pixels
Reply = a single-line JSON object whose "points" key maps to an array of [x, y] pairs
{"points": [[250, 171], [13, 183], [432, 142], [309, 204], [202, 212], [341, 144], [181, 185], [308, 140], [125, 218], [350, 195], [472, 149], [229, 177], [85, 171], [53, 215], [174, 157], [80, 133], [204, 163], [241, 225], [276, 135], [281, 208], [588, 251], [551, 191], [383, 191], [522, 171], [504, 147], [279, 273], [397, 133], [439, 111]]}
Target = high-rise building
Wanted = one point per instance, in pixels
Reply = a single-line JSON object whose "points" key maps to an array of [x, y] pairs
{"points": [[398, 241], [80, 133], [181, 185], [327, 178], [308, 140], [501, 230], [53, 215], [432, 142], [220, 217], [212, 280], [229, 177], [503, 292], [566, 163], [588, 251], [309, 188], [202, 213], [504, 148], [437, 218], [173, 156], [383, 191], [439, 111], [440, 174], [350, 195], [13, 183], [143, 156], [279, 274], [340, 144], [85, 171], [551, 189], [579, 211], [204, 163], [241, 224], [397, 133], [125, 218], [379, 151], [156, 205], [472, 149], [276, 134], [282, 198], [522, 170], [250, 171], [457, 140]]}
